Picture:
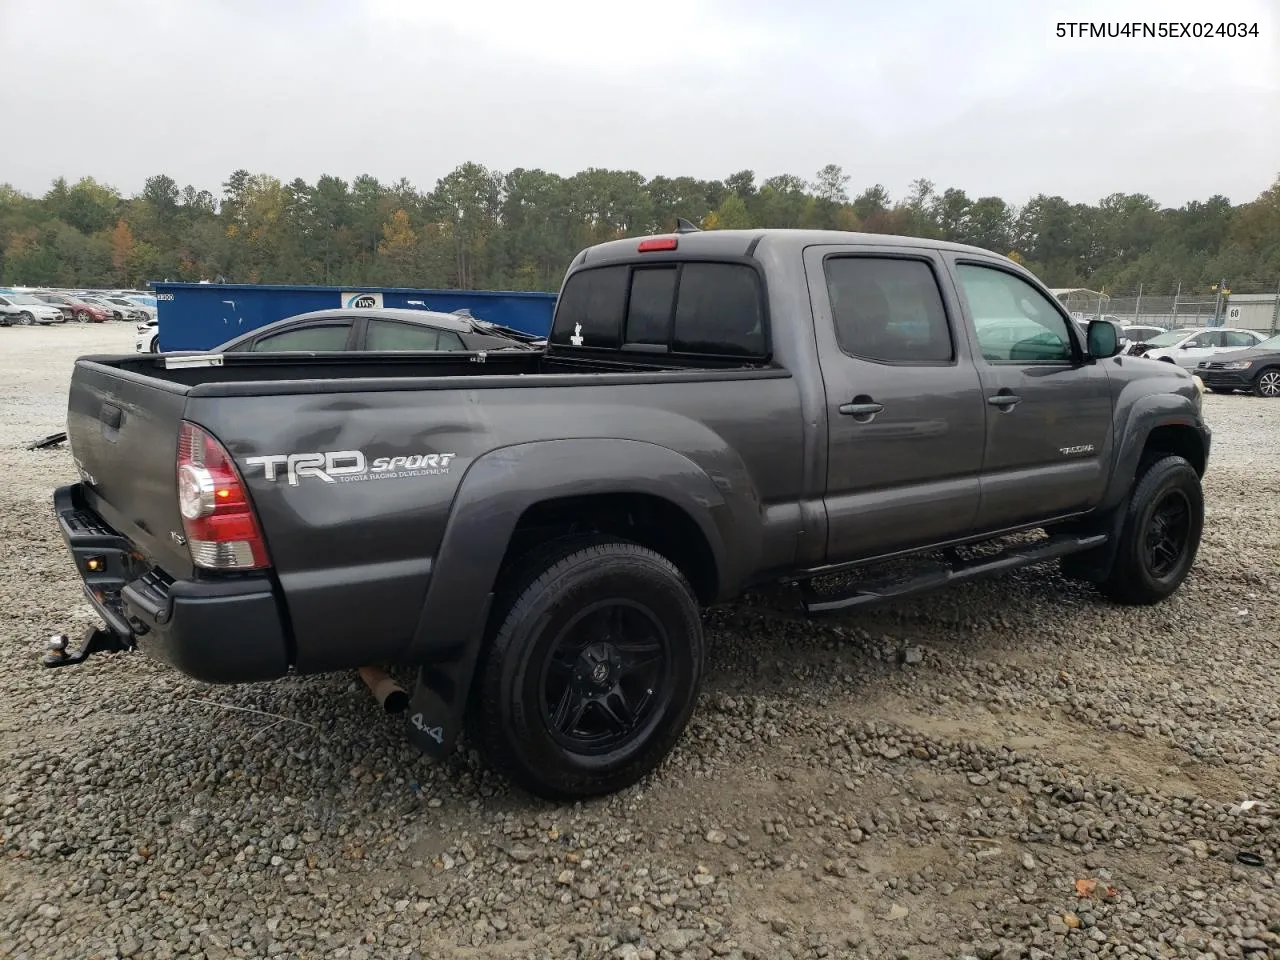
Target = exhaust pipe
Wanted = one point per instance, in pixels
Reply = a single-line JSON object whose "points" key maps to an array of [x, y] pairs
{"points": [[389, 694]]}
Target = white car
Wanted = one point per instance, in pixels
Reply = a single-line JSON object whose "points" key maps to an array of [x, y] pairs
{"points": [[1188, 346], [23, 308], [148, 339]]}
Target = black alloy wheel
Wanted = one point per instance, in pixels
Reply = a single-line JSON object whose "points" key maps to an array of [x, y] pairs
{"points": [[605, 680], [1268, 383], [1168, 533]]}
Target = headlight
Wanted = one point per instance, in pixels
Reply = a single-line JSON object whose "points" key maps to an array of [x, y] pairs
{"points": [[1238, 365]]}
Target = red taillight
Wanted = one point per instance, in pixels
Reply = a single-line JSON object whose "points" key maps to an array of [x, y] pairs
{"points": [[222, 531], [650, 244]]}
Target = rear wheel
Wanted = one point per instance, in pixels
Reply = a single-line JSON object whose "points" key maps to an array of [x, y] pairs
{"points": [[1267, 383], [1161, 533], [591, 669]]}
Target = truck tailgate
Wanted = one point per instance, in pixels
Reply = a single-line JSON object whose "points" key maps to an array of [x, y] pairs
{"points": [[122, 428]]}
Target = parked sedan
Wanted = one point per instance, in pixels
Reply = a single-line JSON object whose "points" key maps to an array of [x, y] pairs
{"points": [[22, 308], [73, 308], [1188, 346], [326, 331], [1256, 369], [141, 310], [123, 310]]}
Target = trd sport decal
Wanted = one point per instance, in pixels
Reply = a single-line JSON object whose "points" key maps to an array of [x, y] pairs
{"points": [[349, 466]]}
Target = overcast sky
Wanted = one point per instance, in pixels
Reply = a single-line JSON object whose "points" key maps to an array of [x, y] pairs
{"points": [[981, 95]]}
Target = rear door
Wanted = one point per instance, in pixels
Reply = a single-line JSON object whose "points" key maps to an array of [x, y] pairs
{"points": [[905, 412], [1048, 438], [1239, 340]]}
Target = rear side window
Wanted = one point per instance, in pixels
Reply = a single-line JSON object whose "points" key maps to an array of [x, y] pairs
{"points": [[392, 335], [591, 308], [720, 310], [888, 309], [699, 308], [1238, 338]]}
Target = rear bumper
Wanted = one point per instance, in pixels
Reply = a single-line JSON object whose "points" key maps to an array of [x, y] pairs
{"points": [[216, 631]]}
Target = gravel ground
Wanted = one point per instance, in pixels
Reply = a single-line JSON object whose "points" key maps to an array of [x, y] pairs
{"points": [[1010, 769]]}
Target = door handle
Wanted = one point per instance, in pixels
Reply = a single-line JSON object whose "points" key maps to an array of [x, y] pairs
{"points": [[858, 409], [1005, 401]]}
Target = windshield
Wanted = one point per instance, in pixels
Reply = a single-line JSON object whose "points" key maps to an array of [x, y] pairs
{"points": [[24, 298], [1170, 338]]}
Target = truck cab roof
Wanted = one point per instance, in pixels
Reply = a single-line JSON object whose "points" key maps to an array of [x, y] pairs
{"points": [[745, 243]]}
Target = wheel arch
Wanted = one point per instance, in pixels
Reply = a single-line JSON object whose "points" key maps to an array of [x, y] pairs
{"points": [[512, 498]]}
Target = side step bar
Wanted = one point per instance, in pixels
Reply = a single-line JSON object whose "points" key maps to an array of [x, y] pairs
{"points": [[895, 588]]}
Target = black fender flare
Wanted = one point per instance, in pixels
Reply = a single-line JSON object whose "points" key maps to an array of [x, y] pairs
{"points": [[1146, 415], [494, 492]]}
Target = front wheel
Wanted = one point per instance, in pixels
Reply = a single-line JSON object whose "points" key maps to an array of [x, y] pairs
{"points": [[591, 669], [1161, 533], [155, 345], [1267, 383], [26, 318], [82, 317]]}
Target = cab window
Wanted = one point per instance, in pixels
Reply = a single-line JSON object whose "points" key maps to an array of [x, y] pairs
{"points": [[1014, 322]]}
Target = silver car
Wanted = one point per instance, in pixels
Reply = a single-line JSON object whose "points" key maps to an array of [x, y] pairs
{"points": [[24, 309]]}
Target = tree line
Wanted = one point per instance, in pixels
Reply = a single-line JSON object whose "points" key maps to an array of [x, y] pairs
{"points": [[482, 229]]}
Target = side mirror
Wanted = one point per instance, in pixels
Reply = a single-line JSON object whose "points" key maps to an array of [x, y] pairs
{"points": [[1102, 340], [1185, 346]]}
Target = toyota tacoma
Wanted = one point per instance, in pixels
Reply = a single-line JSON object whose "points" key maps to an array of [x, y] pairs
{"points": [[535, 534]]}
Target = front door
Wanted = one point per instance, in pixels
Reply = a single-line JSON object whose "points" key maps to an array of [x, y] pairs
{"points": [[1049, 431], [1200, 347], [905, 410]]}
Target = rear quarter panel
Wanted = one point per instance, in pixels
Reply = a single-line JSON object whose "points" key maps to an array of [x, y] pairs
{"points": [[355, 555]]}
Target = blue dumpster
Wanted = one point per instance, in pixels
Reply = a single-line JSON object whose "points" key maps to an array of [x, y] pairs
{"points": [[199, 316]]}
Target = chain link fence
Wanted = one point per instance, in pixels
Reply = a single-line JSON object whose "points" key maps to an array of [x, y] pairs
{"points": [[1250, 304]]}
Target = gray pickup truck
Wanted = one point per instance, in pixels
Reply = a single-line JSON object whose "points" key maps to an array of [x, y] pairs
{"points": [[536, 534]]}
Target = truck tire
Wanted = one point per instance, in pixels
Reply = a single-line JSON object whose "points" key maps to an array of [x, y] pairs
{"points": [[1160, 535], [591, 668]]}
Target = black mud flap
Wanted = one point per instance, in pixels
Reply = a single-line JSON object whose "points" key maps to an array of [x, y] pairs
{"points": [[438, 705]]}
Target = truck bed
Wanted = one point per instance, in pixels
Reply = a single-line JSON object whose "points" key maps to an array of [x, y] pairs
{"points": [[264, 374]]}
